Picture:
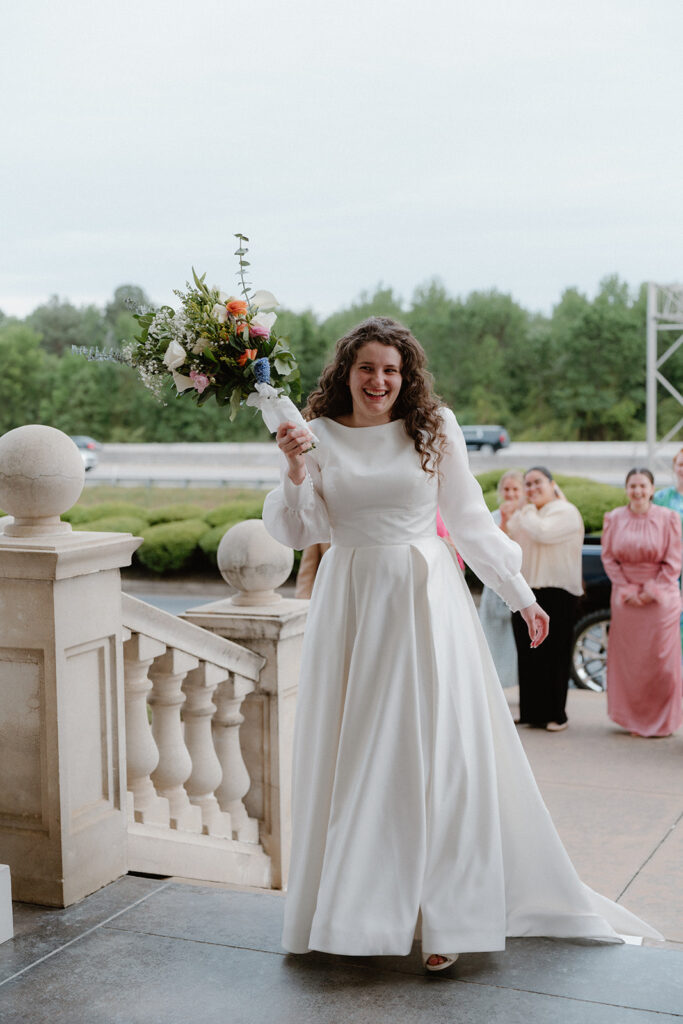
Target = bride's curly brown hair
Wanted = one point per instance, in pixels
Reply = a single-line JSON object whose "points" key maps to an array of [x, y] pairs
{"points": [[416, 405]]}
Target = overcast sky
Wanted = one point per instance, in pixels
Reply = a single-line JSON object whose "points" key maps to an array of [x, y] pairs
{"points": [[524, 145]]}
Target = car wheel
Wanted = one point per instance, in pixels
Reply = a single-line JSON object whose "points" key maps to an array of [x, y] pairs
{"points": [[589, 651], [487, 449]]}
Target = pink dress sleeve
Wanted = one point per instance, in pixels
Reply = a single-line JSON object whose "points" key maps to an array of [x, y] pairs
{"points": [[670, 562], [622, 587]]}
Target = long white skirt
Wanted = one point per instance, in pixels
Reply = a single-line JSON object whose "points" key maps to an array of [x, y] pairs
{"points": [[411, 788]]}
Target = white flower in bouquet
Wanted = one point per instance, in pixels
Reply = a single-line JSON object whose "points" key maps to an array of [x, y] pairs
{"points": [[182, 382], [175, 355], [219, 312], [262, 299]]}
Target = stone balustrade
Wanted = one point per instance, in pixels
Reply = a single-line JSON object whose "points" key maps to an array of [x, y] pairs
{"points": [[131, 739], [186, 775]]}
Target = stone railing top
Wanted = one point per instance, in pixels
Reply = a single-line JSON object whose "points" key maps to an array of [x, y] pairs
{"points": [[140, 617]]}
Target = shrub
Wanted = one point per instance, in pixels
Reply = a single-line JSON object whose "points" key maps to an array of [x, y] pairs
{"points": [[168, 547], [592, 499], [210, 541], [174, 513], [85, 514], [114, 524], [235, 512], [77, 514]]}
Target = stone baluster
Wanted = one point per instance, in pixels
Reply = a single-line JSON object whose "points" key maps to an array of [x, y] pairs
{"points": [[175, 764], [207, 772], [235, 783], [142, 755], [257, 617]]}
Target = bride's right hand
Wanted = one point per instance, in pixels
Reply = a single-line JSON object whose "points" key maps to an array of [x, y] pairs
{"points": [[293, 441]]}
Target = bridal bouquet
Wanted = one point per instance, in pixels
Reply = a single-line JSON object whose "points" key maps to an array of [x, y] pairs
{"points": [[218, 345]]}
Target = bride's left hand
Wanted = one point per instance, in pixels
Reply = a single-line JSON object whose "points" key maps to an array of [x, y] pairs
{"points": [[537, 622]]}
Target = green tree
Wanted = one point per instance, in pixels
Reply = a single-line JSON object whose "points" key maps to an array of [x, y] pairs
{"points": [[25, 374], [61, 325], [310, 344], [599, 362]]}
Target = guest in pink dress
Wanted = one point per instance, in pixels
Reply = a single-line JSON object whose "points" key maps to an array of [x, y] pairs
{"points": [[641, 552]]}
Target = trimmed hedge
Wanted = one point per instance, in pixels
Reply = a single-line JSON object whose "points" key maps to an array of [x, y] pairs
{"points": [[174, 513], [210, 541], [114, 524], [84, 514], [168, 547], [234, 513]]}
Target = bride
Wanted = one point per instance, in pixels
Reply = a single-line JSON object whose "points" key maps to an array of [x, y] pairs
{"points": [[412, 794]]}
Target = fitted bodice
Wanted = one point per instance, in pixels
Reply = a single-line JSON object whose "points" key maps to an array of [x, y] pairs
{"points": [[374, 487], [365, 487]]}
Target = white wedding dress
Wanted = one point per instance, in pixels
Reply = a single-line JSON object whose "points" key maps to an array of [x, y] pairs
{"points": [[412, 791]]}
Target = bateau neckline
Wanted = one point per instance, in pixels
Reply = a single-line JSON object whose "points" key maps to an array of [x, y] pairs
{"points": [[375, 426], [641, 515]]}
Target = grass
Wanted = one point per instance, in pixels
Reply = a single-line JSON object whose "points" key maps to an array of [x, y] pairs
{"points": [[157, 497]]}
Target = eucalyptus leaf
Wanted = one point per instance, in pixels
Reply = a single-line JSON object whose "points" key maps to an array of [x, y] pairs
{"points": [[234, 403]]}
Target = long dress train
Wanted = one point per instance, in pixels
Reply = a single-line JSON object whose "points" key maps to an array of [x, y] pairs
{"points": [[411, 789]]}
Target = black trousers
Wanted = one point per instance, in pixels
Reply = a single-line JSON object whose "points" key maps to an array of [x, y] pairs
{"points": [[544, 671]]}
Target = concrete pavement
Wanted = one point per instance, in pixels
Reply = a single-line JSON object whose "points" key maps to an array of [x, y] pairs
{"points": [[617, 802], [164, 951]]}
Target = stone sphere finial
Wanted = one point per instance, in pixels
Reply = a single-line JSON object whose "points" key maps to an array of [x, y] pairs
{"points": [[253, 562], [41, 476]]}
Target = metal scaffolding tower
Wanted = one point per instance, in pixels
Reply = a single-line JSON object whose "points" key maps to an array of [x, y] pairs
{"points": [[664, 313]]}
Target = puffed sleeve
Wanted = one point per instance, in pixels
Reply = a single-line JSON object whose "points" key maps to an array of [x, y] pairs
{"points": [[296, 515], [494, 557], [670, 561]]}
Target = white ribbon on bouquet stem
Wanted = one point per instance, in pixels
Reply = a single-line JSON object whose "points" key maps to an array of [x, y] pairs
{"points": [[276, 408]]}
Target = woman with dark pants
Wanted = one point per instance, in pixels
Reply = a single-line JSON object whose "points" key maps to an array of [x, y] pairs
{"points": [[549, 529]]}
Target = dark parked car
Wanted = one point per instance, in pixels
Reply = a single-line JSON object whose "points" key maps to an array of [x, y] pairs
{"points": [[88, 447], [486, 439], [589, 644]]}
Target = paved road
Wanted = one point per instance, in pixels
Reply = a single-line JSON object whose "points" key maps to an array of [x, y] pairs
{"points": [[256, 465]]}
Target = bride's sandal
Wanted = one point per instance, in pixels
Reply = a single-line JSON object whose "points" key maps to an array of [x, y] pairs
{"points": [[444, 961]]}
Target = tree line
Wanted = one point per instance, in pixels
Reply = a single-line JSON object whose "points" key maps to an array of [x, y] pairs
{"points": [[577, 374]]}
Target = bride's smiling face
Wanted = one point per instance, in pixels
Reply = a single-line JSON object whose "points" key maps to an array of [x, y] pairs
{"points": [[375, 382]]}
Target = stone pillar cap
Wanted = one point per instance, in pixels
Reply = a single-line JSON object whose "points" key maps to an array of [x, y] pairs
{"points": [[253, 562], [41, 476]]}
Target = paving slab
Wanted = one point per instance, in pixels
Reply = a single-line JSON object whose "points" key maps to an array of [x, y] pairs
{"points": [[39, 931], [656, 893], [615, 800], [117, 977], [605, 856], [207, 914], [624, 975]]}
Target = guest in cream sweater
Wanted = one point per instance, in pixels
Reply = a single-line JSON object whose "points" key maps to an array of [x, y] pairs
{"points": [[549, 529]]}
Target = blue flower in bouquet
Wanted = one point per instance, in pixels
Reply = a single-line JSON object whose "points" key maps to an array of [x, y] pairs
{"points": [[262, 370]]}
